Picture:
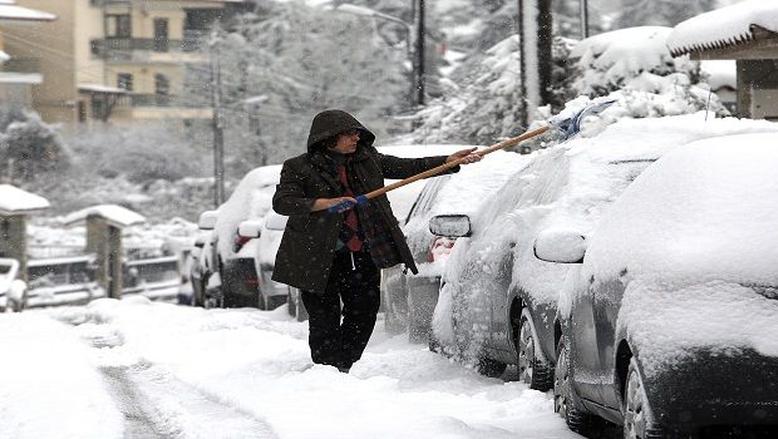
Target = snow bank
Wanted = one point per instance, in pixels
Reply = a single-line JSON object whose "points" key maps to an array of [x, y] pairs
{"points": [[720, 73], [49, 388], [723, 27], [257, 363], [611, 59]]}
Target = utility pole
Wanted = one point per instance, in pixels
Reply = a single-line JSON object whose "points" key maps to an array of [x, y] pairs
{"points": [[584, 18], [217, 121], [420, 56]]}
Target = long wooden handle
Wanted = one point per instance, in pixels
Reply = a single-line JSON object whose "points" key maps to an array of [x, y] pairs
{"points": [[437, 170]]}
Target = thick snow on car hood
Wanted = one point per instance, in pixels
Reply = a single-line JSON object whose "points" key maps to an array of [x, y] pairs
{"points": [[667, 325], [705, 212]]}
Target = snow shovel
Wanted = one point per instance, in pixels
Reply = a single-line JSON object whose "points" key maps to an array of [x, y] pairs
{"points": [[569, 126]]}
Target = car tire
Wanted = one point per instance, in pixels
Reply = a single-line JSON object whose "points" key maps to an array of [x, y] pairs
{"points": [[636, 410], [564, 394], [273, 302], [534, 370], [198, 299], [490, 368]]}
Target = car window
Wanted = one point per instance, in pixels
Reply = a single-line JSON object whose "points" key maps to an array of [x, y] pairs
{"points": [[427, 197]]}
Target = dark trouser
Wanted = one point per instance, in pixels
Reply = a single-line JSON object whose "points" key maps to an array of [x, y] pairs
{"points": [[332, 342]]}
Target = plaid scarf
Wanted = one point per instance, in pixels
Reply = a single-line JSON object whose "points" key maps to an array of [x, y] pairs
{"points": [[364, 224]]}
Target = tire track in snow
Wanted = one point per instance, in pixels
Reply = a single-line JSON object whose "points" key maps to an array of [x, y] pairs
{"points": [[157, 404], [137, 423]]}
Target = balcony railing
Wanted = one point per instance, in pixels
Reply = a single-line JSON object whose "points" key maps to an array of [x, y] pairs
{"points": [[160, 100], [123, 48]]}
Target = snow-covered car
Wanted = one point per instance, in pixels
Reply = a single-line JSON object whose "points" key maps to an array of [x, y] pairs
{"points": [[440, 215], [273, 294], [499, 304], [236, 254], [12, 290], [672, 326], [203, 263]]}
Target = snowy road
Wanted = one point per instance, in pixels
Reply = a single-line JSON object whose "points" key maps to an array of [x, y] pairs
{"points": [[136, 369]]}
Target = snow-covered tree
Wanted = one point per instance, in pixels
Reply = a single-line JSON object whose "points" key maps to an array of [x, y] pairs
{"points": [[660, 12], [286, 62], [484, 102], [29, 147], [140, 153]]}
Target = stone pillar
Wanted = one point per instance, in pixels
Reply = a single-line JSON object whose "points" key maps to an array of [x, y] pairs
{"points": [[105, 240], [13, 241]]}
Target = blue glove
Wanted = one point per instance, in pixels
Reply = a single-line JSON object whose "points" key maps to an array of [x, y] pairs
{"points": [[346, 205]]}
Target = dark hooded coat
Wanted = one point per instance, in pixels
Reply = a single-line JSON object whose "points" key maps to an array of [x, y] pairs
{"points": [[307, 248]]}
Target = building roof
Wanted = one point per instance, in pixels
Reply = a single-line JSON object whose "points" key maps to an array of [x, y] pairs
{"points": [[9, 10], [725, 27], [15, 201], [115, 215]]}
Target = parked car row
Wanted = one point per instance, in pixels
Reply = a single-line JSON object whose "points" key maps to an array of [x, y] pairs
{"points": [[233, 259], [631, 272]]}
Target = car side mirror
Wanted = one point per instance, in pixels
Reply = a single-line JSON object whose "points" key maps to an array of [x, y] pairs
{"points": [[250, 229], [450, 226], [207, 220], [560, 246]]}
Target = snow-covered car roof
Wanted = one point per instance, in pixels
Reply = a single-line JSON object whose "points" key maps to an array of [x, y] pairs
{"points": [[704, 212], [728, 26]]}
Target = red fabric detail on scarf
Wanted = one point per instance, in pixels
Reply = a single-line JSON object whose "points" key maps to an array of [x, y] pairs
{"points": [[351, 220]]}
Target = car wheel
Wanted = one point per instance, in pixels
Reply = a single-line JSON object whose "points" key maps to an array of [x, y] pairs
{"points": [[638, 420], [274, 302], [564, 394], [533, 369], [490, 368]]}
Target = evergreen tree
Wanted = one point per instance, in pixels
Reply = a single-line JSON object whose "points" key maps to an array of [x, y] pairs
{"points": [[29, 147], [660, 12]]}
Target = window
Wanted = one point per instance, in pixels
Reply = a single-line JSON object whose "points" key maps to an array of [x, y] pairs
{"points": [[118, 26], [161, 84], [161, 89], [98, 108], [124, 80]]}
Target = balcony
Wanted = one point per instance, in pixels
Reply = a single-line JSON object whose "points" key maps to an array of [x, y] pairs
{"points": [[148, 49], [160, 100]]}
